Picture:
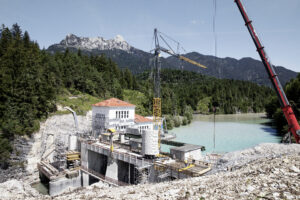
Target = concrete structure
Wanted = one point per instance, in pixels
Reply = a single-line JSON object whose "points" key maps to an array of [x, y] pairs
{"points": [[72, 142], [63, 184], [120, 166], [186, 152], [150, 143], [129, 155]]}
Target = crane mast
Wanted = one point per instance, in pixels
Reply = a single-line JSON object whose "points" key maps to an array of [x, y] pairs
{"points": [[156, 98], [284, 103]]}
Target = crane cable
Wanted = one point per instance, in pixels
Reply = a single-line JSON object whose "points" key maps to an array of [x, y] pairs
{"points": [[215, 60]]}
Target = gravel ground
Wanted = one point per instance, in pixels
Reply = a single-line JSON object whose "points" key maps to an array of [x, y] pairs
{"points": [[267, 171]]}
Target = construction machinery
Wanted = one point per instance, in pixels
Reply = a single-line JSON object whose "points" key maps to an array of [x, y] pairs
{"points": [[158, 36], [294, 127]]}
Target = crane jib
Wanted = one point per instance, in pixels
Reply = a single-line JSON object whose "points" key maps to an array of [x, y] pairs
{"points": [[285, 106]]}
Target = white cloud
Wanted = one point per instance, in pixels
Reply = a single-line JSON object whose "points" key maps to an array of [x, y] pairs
{"points": [[193, 21]]}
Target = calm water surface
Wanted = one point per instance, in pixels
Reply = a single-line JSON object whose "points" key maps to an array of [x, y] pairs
{"points": [[41, 188], [232, 132]]}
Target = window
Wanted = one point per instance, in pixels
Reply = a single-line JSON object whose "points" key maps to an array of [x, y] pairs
{"points": [[116, 114], [127, 114], [100, 116]]}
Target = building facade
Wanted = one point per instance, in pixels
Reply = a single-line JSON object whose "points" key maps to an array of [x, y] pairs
{"points": [[117, 114]]}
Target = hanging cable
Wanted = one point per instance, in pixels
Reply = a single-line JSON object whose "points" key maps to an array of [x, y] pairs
{"points": [[215, 61]]}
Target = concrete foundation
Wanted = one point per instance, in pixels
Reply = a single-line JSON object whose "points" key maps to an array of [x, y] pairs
{"points": [[63, 184]]}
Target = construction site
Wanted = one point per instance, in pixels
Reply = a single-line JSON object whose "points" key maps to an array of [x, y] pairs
{"points": [[123, 148]]}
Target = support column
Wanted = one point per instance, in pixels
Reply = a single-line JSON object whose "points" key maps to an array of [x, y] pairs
{"points": [[112, 168], [84, 163], [85, 179]]}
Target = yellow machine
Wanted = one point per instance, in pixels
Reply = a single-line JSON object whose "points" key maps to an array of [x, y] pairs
{"points": [[111, 131]]}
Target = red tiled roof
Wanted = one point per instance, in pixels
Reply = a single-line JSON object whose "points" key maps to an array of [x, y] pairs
{"points": [[114, 102], [141, 119]]}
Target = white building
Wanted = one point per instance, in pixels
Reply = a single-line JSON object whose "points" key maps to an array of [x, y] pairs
{"points": [[143, 123], [118, 114]]}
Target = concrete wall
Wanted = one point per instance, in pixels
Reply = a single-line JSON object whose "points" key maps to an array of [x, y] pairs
{"points": [[97, 162], [145, 126], [84, 155], [98, 124], [181, 155], [123, 171], [112, 168], [85, 179], [64, 184], [195, 155]]}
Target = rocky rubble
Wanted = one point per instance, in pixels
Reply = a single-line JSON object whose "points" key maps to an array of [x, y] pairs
{"points": [[267, 171], [29, 151], [264, 178], [238, 159]]}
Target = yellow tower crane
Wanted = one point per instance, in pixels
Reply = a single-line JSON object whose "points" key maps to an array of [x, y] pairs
{"points": [[158, 36]]}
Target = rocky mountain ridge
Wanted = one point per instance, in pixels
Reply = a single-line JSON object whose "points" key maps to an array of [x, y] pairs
{"points": [[126, 56], [92, 43]]}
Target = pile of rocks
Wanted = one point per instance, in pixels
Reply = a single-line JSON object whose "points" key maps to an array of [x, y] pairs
{"points": [[238, 159], [265, 178], [267, 171]]}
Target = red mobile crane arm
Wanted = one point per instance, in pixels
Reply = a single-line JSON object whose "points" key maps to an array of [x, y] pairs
{"points": [[284, 103]]}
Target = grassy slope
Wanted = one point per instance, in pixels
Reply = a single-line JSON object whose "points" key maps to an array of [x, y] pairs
{"points": [[139, 99], [79, 102]]}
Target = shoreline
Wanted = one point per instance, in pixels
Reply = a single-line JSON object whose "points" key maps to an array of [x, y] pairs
{"points": [[235, 117], [264, 114]]}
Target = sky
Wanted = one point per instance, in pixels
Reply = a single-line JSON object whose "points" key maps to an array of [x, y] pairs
{"points": [[190, 22]]}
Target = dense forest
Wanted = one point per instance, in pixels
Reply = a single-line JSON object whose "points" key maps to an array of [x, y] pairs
{"points": [[292, 90], [31, 80]]}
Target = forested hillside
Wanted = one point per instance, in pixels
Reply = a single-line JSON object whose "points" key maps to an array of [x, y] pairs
{"points": [[292, 90], [33, 80], [202, 93]]}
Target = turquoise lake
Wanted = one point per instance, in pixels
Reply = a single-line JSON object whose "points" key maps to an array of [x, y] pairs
{"points": [[232, 132]]}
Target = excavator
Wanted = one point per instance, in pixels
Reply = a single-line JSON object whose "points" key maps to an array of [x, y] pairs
{"points": [[293, 124]]}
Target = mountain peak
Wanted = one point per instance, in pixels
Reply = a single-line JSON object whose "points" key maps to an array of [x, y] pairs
{"points": [[94, 43], [119, 38]]}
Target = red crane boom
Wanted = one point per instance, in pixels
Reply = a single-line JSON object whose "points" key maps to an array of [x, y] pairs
{"points": [[284, 103]]}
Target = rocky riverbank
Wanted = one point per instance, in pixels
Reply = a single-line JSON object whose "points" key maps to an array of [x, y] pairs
{"points": [[267, 171]]}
